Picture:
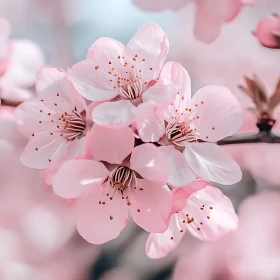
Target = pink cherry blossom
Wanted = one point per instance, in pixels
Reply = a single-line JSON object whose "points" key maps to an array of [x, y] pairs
{"points": [[123, 74], [127, 178], [268, 31], [188, 129], [56, 121], [200, 209], [19, 62], [210, 15]]}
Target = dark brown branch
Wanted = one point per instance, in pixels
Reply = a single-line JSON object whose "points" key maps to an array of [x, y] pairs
{"points": [[260, 137]]}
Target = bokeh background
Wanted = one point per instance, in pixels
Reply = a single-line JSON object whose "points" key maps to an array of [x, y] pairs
{"points": [[38, 238]]}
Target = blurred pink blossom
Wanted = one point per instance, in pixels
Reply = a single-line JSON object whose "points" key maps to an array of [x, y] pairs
{"points": [[268, 31], [136, 184], [19, 62], [210, 14]]}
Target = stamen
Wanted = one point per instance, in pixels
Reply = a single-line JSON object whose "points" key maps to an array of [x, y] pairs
{"points": [[122, 178]]}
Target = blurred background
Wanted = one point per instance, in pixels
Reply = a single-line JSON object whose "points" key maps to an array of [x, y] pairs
{"points": [[38, 237]]}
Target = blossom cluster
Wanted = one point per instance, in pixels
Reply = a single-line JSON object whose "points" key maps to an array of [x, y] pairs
{"points": [[119, 134]]}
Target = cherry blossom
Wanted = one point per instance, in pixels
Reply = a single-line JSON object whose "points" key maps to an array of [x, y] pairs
{"points": [[200, 209], [123, 74], [19, 62], [210, 15], [56, 121], [113, 179], [188, 129], [268, 31]]}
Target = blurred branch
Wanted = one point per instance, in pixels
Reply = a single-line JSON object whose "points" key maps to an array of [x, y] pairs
{"points": [[260, 137]]}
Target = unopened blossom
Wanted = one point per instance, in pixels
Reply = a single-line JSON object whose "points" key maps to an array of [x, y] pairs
{"points": [[56, 122], [188, 130], [116, 177], [210, 14], [19, 62], [123, 74], [268, 31], [263, 104], [199, 209]]}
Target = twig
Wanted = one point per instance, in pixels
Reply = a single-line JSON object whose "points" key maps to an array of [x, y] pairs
{"points": [[260, 137]]}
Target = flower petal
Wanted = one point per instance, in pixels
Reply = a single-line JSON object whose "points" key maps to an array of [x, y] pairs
{"points": [[160, 94], [149, 162], [57, 91], [173, 73], [92, 84], [42, 149], [158, 245], [151, 205], [179, 172], [213, 214], [148, 53], [76, 177], [149, 122], [119, 113], [111, 145], [98, 223], [25, 61], [211, 162], [31, 120], [181, 194], [216, 112], [75, 149]]}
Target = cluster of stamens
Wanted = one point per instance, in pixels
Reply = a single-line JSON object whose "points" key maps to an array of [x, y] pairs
{"points": [[74, 125], [180, 133], [122, 178]]}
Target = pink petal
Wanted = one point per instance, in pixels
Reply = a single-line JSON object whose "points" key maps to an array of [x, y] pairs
{"points": [[43, 149], [210, 15], [150, 122], [77, 177], [149, 162], [159, 245], [206, 28], [57, 91], [213, 214], [151, 204], [5, 30], [179, 172], [26, 59], [153, 49], [180, 195], [98, 223], [217, 113], [265, 29], [75, 149], [92, 84], [211, 162], [248, 2], [111, 145], [119, 113], [160, 5], [160, 94], [31, 120], [174, 73]]}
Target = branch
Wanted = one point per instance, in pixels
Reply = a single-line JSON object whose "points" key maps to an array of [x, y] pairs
{"points": [[260, 137]]}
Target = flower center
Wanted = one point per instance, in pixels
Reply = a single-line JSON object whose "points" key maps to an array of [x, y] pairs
{"points": [[180, 133], [132, 89], [74, 125], [122, 177]]}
